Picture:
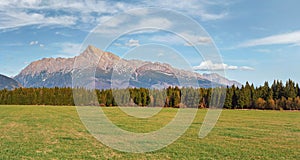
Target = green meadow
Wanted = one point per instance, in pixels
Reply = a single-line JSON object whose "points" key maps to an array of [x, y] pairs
{"points": [[56, 132]]}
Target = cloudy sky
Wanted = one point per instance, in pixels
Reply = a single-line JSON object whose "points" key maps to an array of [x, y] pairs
{"points": [[257, 40]]}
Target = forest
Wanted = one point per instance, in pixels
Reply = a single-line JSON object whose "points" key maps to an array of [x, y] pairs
{"points": [[278, 96]]}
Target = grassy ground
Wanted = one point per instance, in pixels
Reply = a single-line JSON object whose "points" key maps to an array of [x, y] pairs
{"points": [[49, 132]]}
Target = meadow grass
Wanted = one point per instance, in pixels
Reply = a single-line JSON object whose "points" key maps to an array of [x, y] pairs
{"points": [[56, 132]]}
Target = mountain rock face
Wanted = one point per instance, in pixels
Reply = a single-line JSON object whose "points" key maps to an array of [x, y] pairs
{"points": [[220, 79], [103, 70], [8, 83]]}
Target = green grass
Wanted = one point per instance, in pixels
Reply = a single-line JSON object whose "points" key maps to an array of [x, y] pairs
{"points": [[50, 132]]}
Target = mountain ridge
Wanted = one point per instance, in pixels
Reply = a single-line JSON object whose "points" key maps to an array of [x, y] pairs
{"points": [[57, 72], [8, 83]]}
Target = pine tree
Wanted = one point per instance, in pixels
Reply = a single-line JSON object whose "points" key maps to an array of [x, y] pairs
{"points": [[235, 97], [247, 94], [241, 102], [290, 89], [228, 99]]}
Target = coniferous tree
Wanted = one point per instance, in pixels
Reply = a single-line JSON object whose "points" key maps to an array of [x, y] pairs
{"points": [[234, 97], [290, 89], [228, 99], [248, 94]]}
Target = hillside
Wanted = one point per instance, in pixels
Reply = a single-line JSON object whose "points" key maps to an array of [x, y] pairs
{"points": [[8, 83]]}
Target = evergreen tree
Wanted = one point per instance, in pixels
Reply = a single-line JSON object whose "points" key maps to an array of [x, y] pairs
{"points": [[228, 99], [290, 89]]}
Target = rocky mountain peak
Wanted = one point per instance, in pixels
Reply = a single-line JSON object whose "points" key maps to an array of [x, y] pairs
{"points": [[92, 51], [93, 56]]}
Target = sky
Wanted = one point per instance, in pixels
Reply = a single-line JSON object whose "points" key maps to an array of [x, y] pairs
{"points": [[256, 40]]}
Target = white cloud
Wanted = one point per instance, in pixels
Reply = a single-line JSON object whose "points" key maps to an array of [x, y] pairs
{"points": [[210, 16], [36, 12], [133, 43], [34, 43], [10, 19], [88, 13], [210, 66], [292, 38], [246, 68]]}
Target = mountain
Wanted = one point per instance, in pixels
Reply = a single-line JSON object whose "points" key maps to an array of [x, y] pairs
{"points": [[220, 79], [8, 83], [111, 72]]}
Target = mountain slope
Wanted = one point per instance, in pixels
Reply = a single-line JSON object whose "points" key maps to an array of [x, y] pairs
{"points": [[111, 72], [220, 79], [8, 83]]}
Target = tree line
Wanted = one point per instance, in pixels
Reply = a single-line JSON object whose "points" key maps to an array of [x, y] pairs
{"points": [[274, 97], [270, 97]]}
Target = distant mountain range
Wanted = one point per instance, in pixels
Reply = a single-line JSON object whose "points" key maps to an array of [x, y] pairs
{"points": [[8, 83], [57, 72]]}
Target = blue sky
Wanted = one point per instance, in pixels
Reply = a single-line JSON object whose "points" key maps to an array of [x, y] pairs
{"points": [[257, 40]]}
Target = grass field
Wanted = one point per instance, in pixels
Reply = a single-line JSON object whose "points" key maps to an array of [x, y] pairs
{"points": [[52, 132]]}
